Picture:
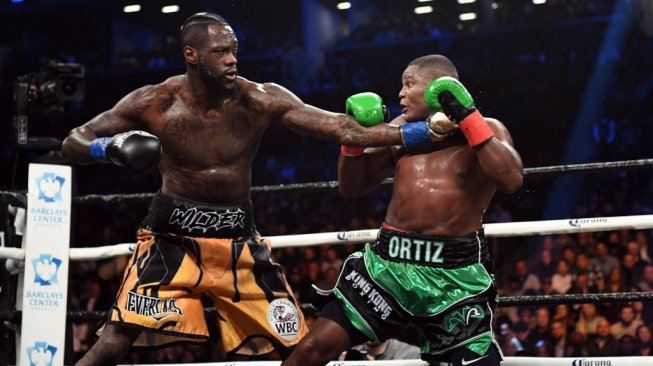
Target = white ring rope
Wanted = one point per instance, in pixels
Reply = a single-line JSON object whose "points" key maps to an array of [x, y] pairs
{"points": [[508, 361], [522, 228]]}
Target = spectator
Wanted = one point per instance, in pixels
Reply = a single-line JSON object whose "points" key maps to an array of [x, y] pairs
{"points": [[577, 345], [581, 285], [588, 319], [645, 247], [331, 259], [615, 281], [627, 323], [527, 282], [586, 242], [544, 268], [646, 284], [561, 279], [564, 315], [521, 332], [569, 255], [603, 343], [547, 287], [564, 241], [627, 346], [644, 341], [604, 260], [307, 257], [559, 336], [613, 242], [541, 331], [632, 268], [594, 274]]}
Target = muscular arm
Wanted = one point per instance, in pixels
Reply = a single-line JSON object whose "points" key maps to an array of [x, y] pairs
{"points": [[126, 115], [499, 160], [316, 122], [358, 175]]}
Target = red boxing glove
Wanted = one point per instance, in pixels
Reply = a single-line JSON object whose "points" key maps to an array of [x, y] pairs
{"points": [[351, 151]]}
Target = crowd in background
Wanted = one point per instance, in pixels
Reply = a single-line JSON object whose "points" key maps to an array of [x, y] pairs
{"points": [[509, 77], [591, 262]]}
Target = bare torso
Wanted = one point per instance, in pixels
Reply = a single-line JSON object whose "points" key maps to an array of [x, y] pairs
{"points": [[207, 152], [443, 192]]}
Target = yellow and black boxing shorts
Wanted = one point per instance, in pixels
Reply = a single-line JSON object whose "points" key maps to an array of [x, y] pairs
{"points": [[187, 249]]}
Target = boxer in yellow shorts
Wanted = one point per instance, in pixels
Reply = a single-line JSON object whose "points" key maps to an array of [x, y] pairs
{"points": [[187, 249], [202, 130]]}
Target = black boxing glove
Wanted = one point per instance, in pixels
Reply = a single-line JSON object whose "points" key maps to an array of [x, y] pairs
{"points": [[138, 151]]}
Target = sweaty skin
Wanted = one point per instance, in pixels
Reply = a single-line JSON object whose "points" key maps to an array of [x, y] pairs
{"points": [[444, 191], [210, 122]]}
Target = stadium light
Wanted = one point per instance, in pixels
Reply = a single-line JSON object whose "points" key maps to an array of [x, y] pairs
{"points": [[423, 9], [344, 5], [131, 8], [170, 9], [467, 16]]}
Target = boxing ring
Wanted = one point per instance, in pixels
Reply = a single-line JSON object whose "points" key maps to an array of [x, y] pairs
{"points": [[16, 256]]}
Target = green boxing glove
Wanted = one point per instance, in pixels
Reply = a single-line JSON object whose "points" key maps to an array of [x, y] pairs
{"points": [[368, 110], [448, 95]]}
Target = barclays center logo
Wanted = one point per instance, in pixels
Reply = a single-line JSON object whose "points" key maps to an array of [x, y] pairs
{"points": [[41, 354], [46, 268], [49, 186]]}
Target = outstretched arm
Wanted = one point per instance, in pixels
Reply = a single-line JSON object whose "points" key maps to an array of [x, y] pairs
{"points": [[341, 128], [126, 115]]}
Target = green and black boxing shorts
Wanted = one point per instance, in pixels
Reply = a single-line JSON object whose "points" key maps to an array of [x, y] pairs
{"points": [[441, 286]]}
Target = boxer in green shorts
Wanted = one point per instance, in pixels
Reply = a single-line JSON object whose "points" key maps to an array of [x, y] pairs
{"points": [[430, 268]]}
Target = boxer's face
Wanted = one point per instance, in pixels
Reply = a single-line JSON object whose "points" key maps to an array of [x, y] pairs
{"points": [[411, 96], [217, 57]]}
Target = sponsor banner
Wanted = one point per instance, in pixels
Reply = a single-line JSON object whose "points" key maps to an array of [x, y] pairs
{"points": [[47, 243], [358, 236]]}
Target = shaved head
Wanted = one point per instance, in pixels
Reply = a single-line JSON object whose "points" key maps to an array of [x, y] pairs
{"points": [[435, 66], [196, 27]]}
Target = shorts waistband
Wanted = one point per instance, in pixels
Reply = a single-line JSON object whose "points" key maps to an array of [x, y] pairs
{"points": [[433, 251], [197, 219]]}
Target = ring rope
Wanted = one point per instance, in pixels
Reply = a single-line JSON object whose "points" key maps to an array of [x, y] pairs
{"points": [[521, 228], [18, 198], [507, 301]]}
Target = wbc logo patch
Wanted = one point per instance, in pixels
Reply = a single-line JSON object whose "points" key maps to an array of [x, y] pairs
{"points": [[283, 318]]}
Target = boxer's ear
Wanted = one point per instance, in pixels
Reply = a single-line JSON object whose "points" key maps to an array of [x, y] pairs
{"points": [[190, 54]]}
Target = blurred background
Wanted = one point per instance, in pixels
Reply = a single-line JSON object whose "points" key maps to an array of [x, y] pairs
{"points": [[572, 80]]}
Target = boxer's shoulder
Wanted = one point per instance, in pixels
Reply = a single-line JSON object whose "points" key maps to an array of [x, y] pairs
{"points": [[154, 95], [267, 98]]}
